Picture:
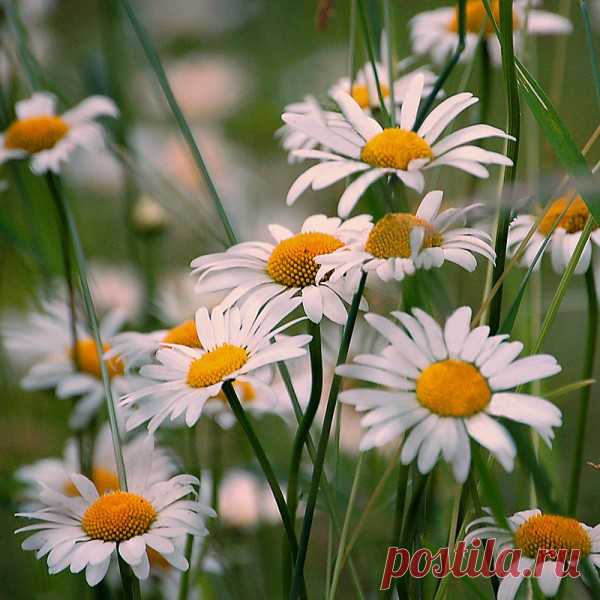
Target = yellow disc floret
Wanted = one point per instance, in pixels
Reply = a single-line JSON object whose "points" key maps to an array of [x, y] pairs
{"points": [[551, 532], [35, 134], [184, 334], [88, 360], [453, 388], [477, 16], [360, 93], [292, 262], [573, 220], [394, 148], [118, 516], [390, 237], [104, 480], [216, 365]]}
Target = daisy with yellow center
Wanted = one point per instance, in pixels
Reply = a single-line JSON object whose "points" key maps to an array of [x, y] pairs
{"points": [[447, 386], [531, 531], [400, 243], [49, 139], [435, 32], [564, 237], [46, 338], [263, 271], [86, 530], [362, 147], [236, 345]]}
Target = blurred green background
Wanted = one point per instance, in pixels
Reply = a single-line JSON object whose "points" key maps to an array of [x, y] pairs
{"points": [[234, 65]]}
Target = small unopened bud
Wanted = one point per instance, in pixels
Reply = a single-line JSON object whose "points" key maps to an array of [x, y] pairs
{"points": [[149, 217]]}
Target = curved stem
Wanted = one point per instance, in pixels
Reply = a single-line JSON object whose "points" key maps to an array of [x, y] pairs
{"points": [[389, 31], [323, 442], [584, 401]]}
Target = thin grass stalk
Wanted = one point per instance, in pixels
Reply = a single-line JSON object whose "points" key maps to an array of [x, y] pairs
{"points": [[559, 61], [362, 13], [589, 37], [182, 123], [391, 64], [448, 68], [323, 443], [569, 388], [584, 400], [337, 571]]}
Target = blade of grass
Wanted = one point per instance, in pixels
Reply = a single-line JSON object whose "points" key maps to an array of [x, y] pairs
{"points": [[589, 38]]}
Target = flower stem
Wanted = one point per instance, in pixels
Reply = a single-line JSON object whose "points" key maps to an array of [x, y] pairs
{"points": [[323, 442], [584, 400], [389, 31], [161, 77], [589, 37]]}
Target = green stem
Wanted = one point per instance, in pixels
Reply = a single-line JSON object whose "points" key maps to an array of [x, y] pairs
{"points": [[584, 401], [161, 77], [131, 584], [389, 30], [337, 570], [589, 36], [448, 68], [323, 442]]}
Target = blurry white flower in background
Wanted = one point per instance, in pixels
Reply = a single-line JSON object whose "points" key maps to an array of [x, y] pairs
{"points": [[100, 173], [35, 11]]}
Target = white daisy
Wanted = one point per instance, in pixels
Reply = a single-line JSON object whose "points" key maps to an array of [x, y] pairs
{"points": [[47, 337], [400, 243], [448, 385], [265, 270], [365, 148], [235, 343], [55, 473], [435, 32], [531, 531], [86, 531], [49, 139], [564, 238]]}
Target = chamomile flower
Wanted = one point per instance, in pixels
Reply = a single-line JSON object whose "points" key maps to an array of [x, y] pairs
{"points": [[372, 152], [49, 139], [400, 243], [531, 531], [234, 344], [87, 530], [564, 237], [435, 32], [55, 473], [448, 385], [47, 337], [266, 270]]}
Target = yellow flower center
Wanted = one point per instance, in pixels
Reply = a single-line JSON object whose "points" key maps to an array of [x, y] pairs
{"points": [[104, 480], [551, 532], [394, 148], [360, 93], [477, 16], [390, 237], [574, 219], [89, 361], [184, 334], [118, 516], [35, 134], [214, 366], [453, 388], [292, 262], [245, 391]]}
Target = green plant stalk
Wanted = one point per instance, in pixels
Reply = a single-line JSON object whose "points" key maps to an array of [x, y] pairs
{"points": [[589, 37], [337, 570], [163, 81], [448, 68], [323, 442], [391, 65], [131, 584], [567, 389], [371, 54], [352, 44], [514, 123], [489, 486], [584, 400]]}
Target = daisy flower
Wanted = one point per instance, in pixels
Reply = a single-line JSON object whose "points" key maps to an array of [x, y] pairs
{"points": [[564, 238], [47, 337], [266, 270], [86, 531], [400, 243], [235, 343], [55, 473], [435, 32], [366, 149], [448, 385], [531, 531], [49, 139]]}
